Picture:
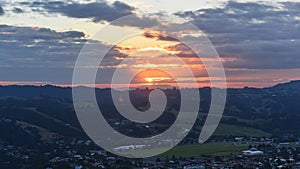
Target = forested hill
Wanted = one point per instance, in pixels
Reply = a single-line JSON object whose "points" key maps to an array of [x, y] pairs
{"points": [[273, 110]]}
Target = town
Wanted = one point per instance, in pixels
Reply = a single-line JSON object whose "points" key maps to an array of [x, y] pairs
{"points": [[269, 153]]}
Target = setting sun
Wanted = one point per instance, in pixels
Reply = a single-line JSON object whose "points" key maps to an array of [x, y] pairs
{"points": [[149, 79], [153, 77]]}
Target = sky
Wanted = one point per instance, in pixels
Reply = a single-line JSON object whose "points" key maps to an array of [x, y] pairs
{"points": [[258, 42]]}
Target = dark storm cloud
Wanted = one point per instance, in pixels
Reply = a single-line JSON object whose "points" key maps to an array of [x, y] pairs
{"points": [[139, 22], [17, 10], [252, 35], [159, 36], [34, 47], [97, 11], [1, 10], [40, 54], [240, 21]]}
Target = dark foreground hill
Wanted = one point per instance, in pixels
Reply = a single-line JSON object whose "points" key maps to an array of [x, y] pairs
{"points": [[37, 113]]}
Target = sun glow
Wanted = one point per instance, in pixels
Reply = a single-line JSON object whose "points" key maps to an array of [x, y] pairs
{"points": [[150, 56], [156, 79], [149, 79]]}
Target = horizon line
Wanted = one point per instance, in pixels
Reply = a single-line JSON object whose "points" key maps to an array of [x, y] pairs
{"points": [[107, 86]]}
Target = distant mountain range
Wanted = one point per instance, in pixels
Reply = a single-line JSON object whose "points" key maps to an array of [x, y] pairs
{"points": [[28, 91]]}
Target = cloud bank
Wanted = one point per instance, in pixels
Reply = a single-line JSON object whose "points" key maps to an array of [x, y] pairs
{"points": [[252, 35], [97, 11]]}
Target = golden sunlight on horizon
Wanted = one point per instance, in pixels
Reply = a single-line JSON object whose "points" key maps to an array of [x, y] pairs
{"points": [[151, 53], [153, 78]]}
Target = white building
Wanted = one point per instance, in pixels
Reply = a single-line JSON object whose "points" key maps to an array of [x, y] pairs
{"points": [[252, 152], [194, 167]]}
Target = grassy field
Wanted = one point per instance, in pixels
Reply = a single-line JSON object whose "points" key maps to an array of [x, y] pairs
{"points": [[234, 130], [213, 149], [231, 130]]}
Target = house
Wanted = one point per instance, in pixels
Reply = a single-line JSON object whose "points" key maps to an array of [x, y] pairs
{"points": [[78, 167], [286, 144], [194, 167], [252, 152]]}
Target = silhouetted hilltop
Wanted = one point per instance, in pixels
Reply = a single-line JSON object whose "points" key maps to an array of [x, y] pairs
{"points": [[35, 91], [274, 110]]}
